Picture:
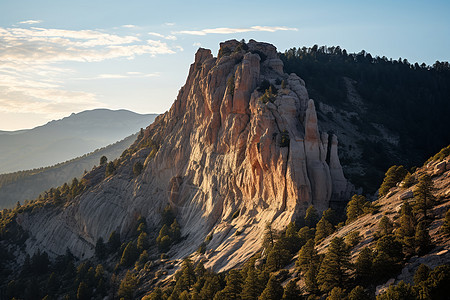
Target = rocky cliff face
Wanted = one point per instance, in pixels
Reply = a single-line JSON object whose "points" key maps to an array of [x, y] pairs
{"points": [[229, 160]]}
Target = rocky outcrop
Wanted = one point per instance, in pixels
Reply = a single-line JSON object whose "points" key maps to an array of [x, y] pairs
{"points": [[223, 152]]}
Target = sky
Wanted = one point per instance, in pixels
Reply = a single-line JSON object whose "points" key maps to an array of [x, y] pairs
{"points": [[60, 57]]}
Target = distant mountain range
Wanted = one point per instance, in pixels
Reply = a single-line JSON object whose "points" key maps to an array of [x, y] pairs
{"points": [[65, 139], [27, 185]]}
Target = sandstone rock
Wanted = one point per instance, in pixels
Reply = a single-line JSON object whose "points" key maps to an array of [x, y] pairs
{"points": [[221, 150]]}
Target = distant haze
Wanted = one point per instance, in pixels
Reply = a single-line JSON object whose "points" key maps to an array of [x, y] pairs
{"points": [[64, 139]]}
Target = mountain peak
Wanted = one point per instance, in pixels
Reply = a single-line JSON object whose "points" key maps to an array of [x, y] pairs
{"points": [[239, 147]]}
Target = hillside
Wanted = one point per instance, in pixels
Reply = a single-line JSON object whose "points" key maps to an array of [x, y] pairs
{"points": [[64, 139], [384, 111], [221, 196], [27, 185]]}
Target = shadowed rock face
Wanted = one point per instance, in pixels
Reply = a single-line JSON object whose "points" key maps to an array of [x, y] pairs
{"points": [[222, 150]]}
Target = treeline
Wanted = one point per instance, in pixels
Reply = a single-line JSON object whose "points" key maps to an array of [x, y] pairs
{"points": [[411, 99]]}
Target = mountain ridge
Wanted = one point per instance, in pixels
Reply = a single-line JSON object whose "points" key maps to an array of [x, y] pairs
{"points": [[64, 139]]}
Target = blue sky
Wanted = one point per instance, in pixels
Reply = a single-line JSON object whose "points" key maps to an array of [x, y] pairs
{"points": [[59, 57]]}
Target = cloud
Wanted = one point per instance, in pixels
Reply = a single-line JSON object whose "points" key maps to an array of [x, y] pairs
{"points": [[33, 74], [129, 26], [169, 24], [227, 30], [121, 76], [167, 37], [31, 22], [197, 44]]}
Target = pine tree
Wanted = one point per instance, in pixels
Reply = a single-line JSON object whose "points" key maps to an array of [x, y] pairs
{"points": [[421, 274], [357, 207], [103, 160], [268, 239], [251, 288], [337, 293], [175, 231], [385, 226], [163, 240], [291, 239], [363, 265], [142, 241], [334, 269], [127, 286], [304, 234], [129, 255], [323, 229], [277, 258], [358, 293], [143, 258], [401, 291], [273, 290], [233, 288], [406, 230], [311, 217], [210, 287], [422, 238], [291, 291], [423, 195], [307, 256], [394, 175]]}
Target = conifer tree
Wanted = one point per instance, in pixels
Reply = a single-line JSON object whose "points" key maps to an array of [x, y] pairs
{"points": [[363, 265], [142, 241], [323, 229], [334, 269], [311, 217], [268, 239], [291, 239], [291, 291], [423, 195], [129, 255], [307, 256], [422, 238], [273, 290], [394, 175], [127, 286], [356, 207], [385, 226], [83, 292], [143, 258], [251, 288], [358, 293], [337, 293], [277, 258], [304, 234], [421, 274], [210, 287], [406, 230], [233, 288]]}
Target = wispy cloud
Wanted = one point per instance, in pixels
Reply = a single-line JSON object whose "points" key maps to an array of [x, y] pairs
{"points": [[169, 24], [129, 26], [197, 44], [32, 72], [227, 30], [167, 37], [121, 76], [31, 22]]}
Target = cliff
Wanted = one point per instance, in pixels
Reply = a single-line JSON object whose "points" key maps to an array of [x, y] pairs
{"points": [[232, 154]]}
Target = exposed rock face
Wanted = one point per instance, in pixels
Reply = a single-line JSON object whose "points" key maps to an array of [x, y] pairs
{"points": [[222, 151]]}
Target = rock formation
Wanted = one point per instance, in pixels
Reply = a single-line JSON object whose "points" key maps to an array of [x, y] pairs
{"points": [[228, 161]]}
